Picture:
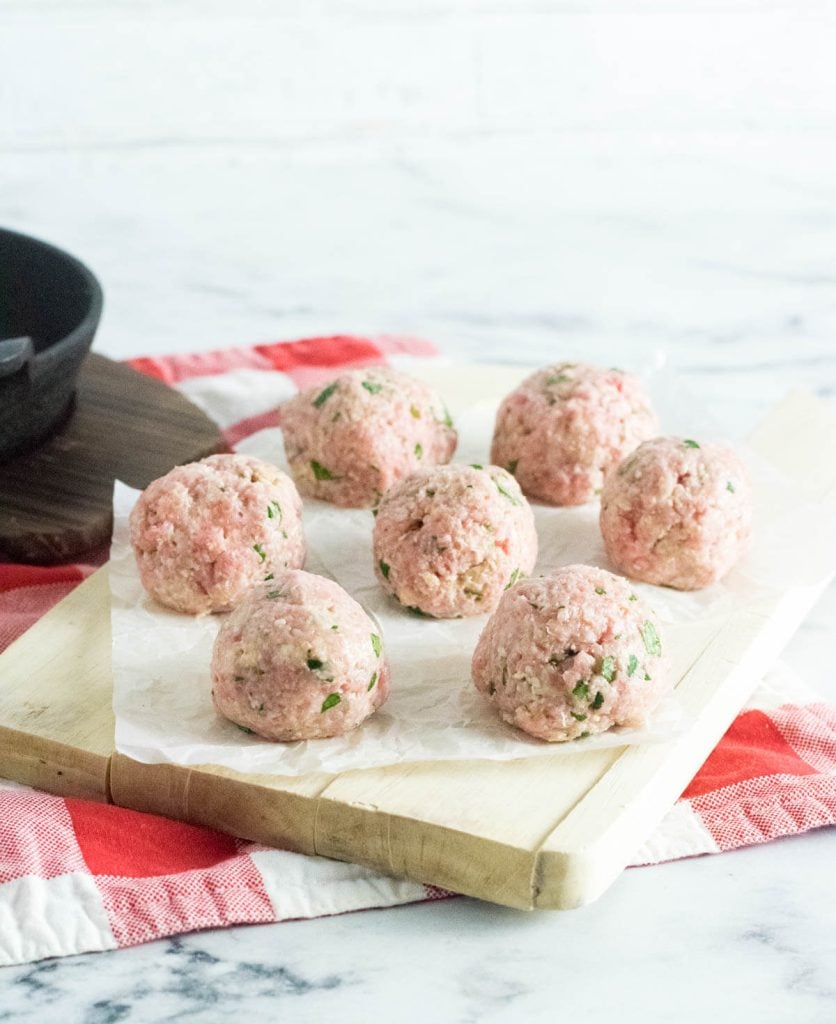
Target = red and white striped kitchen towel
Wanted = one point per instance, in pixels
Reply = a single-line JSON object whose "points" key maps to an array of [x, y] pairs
{"points": [[70, 883]]}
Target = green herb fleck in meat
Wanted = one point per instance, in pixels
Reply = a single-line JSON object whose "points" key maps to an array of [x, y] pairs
{"points": [[647, 678], [384, 569], [314, 664], [448, 419], [274, 511], [416, 412], [331, 701], [599, 700], [608, 668], [506, 494], [515, 575], [321, 472], [419, 450], [324, 395], [600, 590], [581, 691], [512, 466], [416, 611], [632, 664], [476, 465], [652, 643], [577, 717], [269, 576], [273, 594], [730, 487], [259, 550], [377, 644], [244, 728], [633, 597], [335, 627], [372, 387], [372, 681], [689, 443]]}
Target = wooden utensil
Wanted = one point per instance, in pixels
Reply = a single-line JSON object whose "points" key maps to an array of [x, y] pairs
{"points": [[55, 502]]}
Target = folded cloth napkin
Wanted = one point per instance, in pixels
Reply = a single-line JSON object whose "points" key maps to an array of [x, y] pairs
{"points": [[70, 884]]}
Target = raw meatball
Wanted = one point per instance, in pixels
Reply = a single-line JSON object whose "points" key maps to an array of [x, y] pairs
{"points": [[566, 426], [448, 541], [298, 659], [350, 441], [206, 532], [571, 654], [677, 513]]}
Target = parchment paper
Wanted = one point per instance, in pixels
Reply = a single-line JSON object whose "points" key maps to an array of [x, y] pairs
{"points": [[161, 658]]}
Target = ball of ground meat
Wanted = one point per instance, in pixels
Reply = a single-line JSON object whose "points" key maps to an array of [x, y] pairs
{"points": [[207, 531], [351, 440], [677, 512], [298, 659], [449, 540], [572, 654], [566, 426]]}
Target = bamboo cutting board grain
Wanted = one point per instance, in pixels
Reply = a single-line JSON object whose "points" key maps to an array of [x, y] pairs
{"points": [[543, 832]]}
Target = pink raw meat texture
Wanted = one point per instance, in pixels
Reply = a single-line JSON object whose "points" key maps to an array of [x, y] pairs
{"points": [[566, 426], [677, 512], [207, 531], [449, 540], [298, 659], [351, 440], [572, 653]]}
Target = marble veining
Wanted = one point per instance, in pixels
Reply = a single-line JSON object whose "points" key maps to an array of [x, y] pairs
{"points": [[742, 936], [517, 182]]}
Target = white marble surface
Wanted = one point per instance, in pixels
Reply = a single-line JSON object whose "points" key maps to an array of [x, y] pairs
{"points": [[745, 936], [517, 182]]}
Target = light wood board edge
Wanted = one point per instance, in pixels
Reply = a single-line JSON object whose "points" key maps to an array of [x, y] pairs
{"points": [[61, 740], [592, 845], [53, 766], [437, 822], [267, 809]]}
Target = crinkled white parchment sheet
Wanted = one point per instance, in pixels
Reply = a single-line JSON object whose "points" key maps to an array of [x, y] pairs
{"points": [[161, 659]]}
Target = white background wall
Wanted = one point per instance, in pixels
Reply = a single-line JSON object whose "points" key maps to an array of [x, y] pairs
{"points": [[514, 180], [154, 73]]}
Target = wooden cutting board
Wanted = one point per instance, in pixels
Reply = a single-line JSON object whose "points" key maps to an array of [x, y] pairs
{"points": [[55, 502], [544, 832]]}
